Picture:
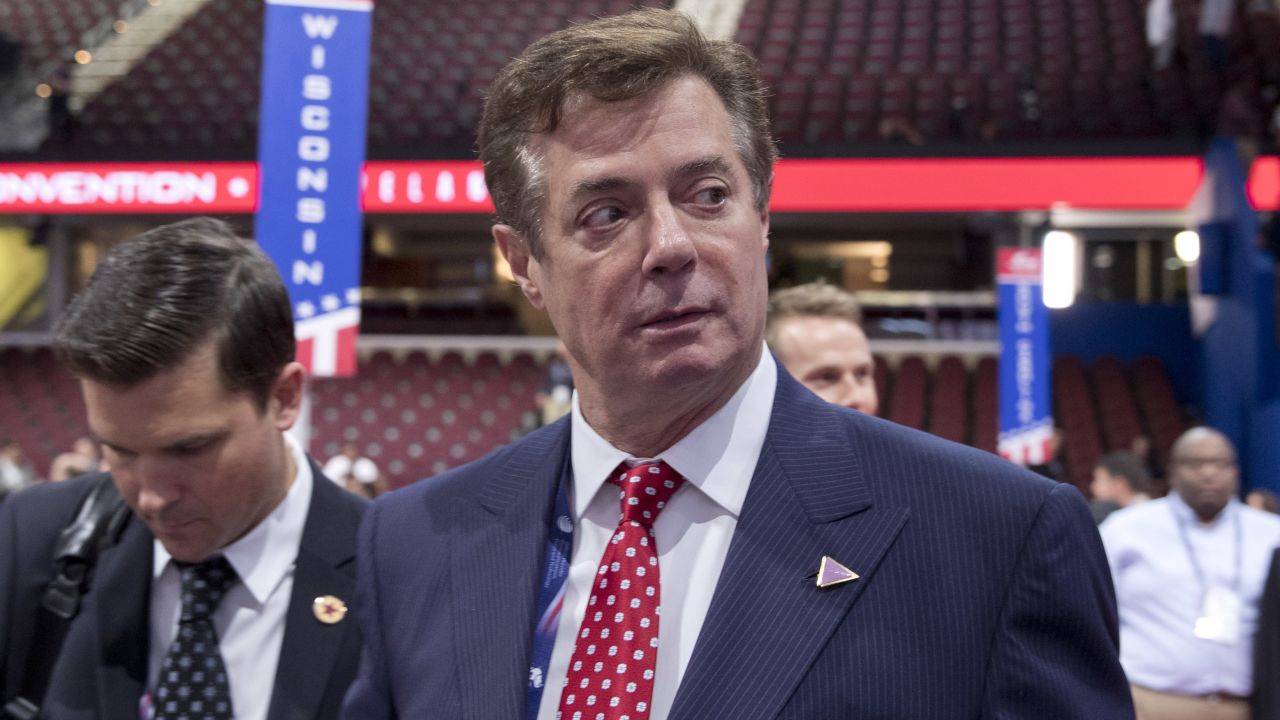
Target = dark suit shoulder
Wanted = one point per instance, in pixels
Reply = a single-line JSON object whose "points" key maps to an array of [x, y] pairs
{"points": [[37, 515], [892, 457], [47, 501], [940, 461]]}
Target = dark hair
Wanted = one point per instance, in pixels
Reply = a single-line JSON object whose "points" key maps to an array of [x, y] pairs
{"points": [[1124, 464], [156, 298], [611, 60]]}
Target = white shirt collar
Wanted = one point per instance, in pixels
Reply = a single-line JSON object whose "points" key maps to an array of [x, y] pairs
{"points": [[718, 457], [265, 554]]}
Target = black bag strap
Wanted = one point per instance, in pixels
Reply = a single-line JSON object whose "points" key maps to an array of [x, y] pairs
{"points": [[97, 525]]}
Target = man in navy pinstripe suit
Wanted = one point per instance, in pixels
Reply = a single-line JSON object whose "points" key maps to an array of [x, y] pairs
{"points": [[815, 563]]}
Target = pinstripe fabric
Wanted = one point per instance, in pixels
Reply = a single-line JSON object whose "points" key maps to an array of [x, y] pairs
{"points": [[983, 593], [983, 590], [446, 575]]}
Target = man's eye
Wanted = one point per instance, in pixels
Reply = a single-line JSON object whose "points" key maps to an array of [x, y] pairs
{"points": [[711, 196], [603, 217], [192, 449], [825, 378]]}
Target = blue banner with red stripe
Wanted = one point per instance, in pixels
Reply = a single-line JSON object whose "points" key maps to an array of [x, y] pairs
{"points": [[311, 141], [1026, 418]]}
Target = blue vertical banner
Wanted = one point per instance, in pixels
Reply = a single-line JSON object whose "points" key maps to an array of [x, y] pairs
{"points": [[1026, 418], [1240, 358], [311, 139]]}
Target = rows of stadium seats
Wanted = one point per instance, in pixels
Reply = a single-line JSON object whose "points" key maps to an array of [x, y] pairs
{"points": [[418, 414], [51, 29], [414, 414], [919, 70], [430, 63], [40, 405], [843, 71], [1108, 412], [433, 61]]}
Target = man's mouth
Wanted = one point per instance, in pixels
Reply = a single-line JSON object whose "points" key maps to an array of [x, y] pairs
{"points": [[675, 318]]}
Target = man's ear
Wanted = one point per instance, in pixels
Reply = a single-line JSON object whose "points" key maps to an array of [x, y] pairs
{"points": [[764, 228], [515, 250], [286, 395]]}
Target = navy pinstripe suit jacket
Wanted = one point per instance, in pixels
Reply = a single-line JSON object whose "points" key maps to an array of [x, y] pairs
{"points": [[984, 590]]}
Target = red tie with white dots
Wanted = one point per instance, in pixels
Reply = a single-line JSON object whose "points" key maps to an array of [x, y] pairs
{"points": [[611, 673]]}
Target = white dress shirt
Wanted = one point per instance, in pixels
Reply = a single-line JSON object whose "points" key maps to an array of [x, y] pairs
{"points": [[693, 531], [1160, 596], [250, 619]]}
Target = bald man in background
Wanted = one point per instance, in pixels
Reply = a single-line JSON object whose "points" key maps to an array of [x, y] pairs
{"points": [[1189, 569], [815, 329]]}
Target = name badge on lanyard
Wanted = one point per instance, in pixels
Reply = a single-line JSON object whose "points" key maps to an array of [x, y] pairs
{"points": [[1219, 618]]}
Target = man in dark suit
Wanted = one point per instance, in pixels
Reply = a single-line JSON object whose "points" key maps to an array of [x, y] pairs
{"points": [[222, 593], [764, 554], [1266, 648]]}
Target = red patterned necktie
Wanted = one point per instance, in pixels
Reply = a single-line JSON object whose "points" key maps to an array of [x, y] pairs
{"points": [[611, 674]]}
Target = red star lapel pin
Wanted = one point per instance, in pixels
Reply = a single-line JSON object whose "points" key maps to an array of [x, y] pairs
{"points": [[832, 573], [329, 609]]}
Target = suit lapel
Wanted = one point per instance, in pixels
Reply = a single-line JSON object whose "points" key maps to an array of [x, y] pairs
{"points": [[310, 648], [121, 596], [807, 499], [498, 546]]}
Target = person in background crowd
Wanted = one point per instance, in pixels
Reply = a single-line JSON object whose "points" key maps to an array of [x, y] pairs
{"points": [[81, 459], [1189, 571], [1142, 448], [1119, 480], [815, 329], [702, 537], [16, 471], [1053, 467], [1262, 499], [555, 395], [355, 472], [222, 594]]}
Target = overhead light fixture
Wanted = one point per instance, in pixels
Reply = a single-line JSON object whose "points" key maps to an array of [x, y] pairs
{"points": [[1058, 268], [84, 57], [1187, 245]]}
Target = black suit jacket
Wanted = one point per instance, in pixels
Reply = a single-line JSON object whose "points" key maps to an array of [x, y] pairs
{"points": [[984, 590], [102, 670], [1266, 664]]}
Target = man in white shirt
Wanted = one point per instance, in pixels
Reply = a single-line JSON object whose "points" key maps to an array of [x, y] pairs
{"points": [[815, 329], [1189, 569], [1119, 480], [349, 468], [221, 594], [701, 537]]}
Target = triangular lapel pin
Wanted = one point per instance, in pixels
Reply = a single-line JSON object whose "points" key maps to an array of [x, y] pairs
{"points": [[833, 573]]}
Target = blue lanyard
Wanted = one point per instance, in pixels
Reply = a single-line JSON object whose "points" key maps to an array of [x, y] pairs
{"points": [[1201, 578], [555, 571]]}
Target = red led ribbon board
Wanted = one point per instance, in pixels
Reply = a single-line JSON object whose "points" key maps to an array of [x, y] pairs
{"points": [[801, 186], [134, 188]]}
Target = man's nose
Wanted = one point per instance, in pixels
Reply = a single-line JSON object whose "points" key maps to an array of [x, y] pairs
{"points": [[157, 487], [669, 247]]}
